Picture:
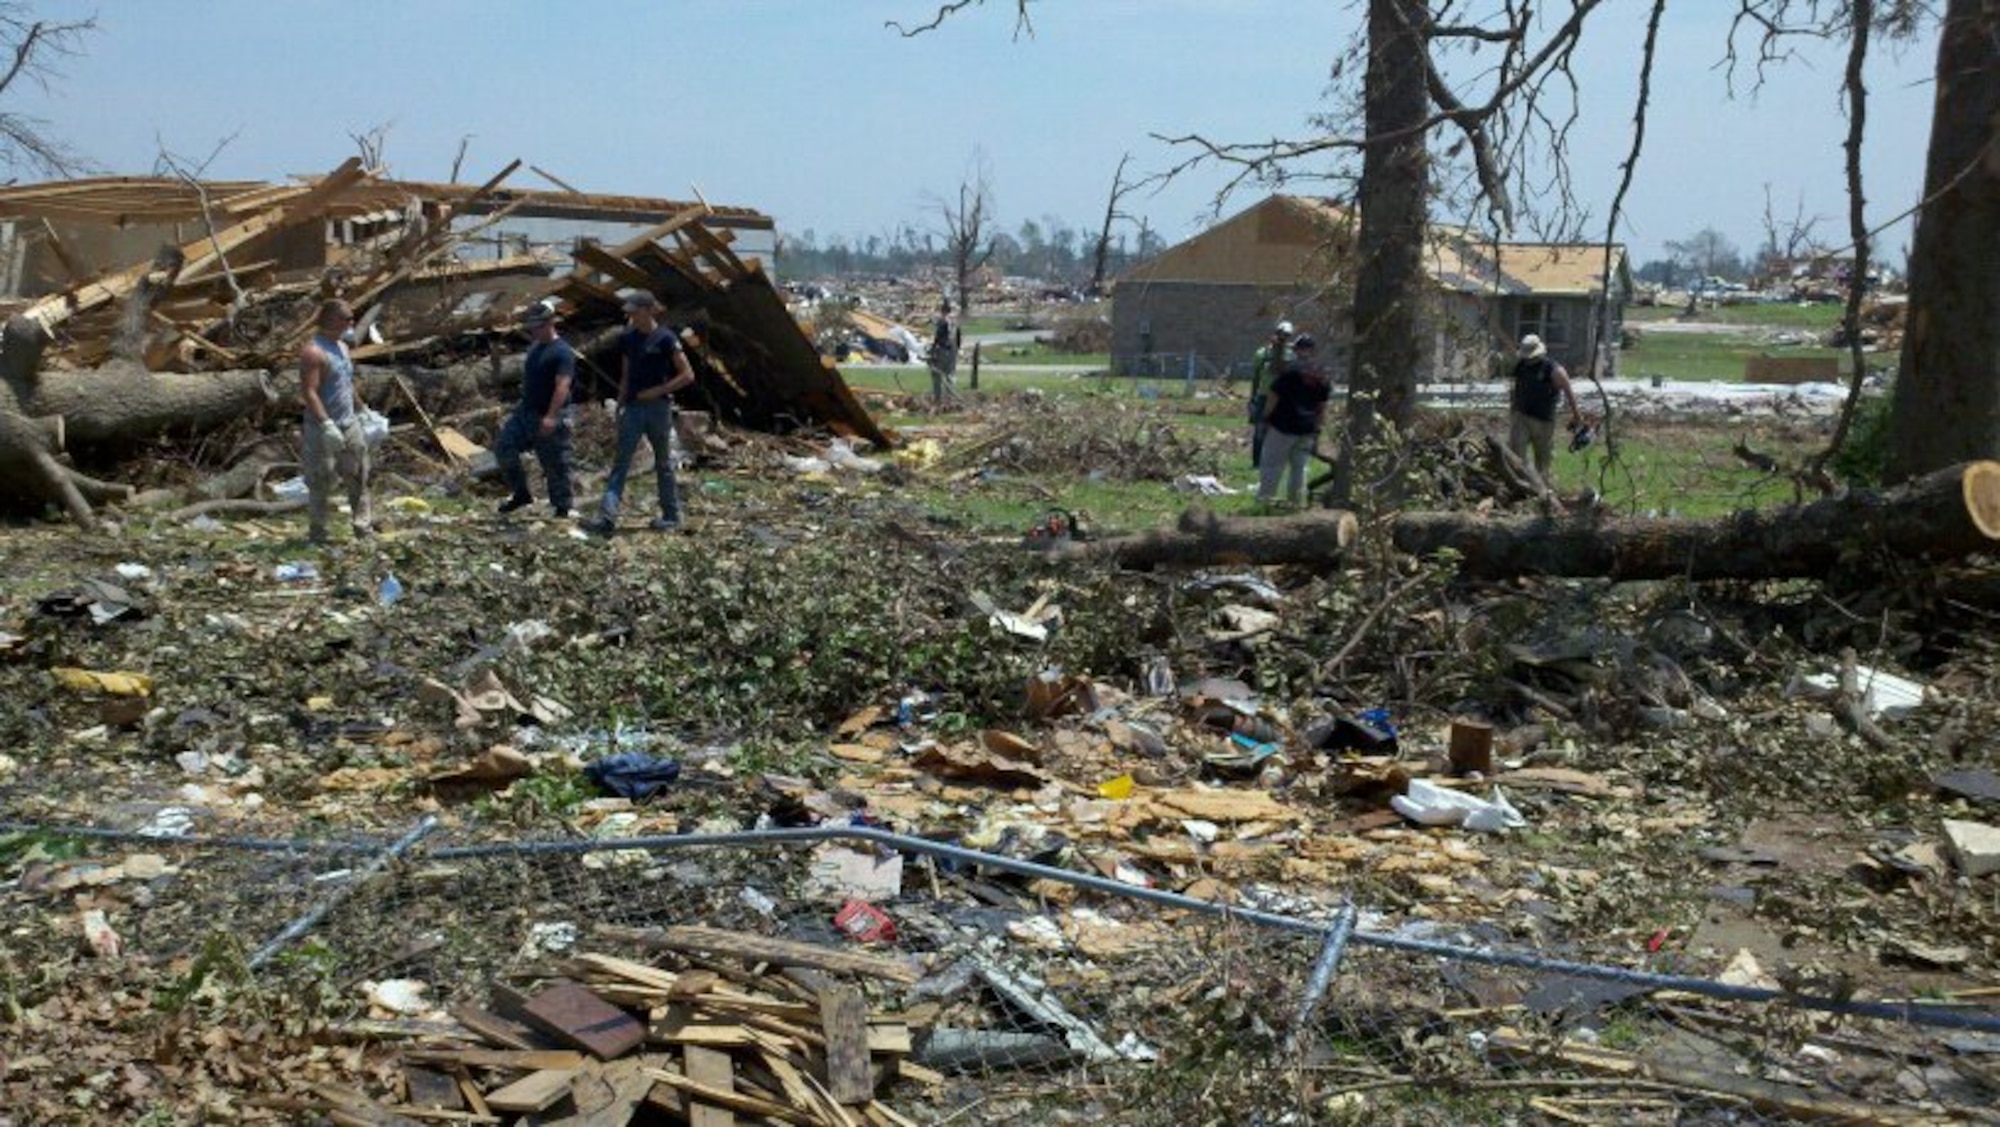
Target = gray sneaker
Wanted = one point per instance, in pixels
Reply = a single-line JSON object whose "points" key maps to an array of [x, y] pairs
{"points": [[598, 526], [662, 524]]}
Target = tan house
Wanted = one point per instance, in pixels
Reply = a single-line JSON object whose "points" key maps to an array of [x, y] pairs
{"points": [[1204, 305]]}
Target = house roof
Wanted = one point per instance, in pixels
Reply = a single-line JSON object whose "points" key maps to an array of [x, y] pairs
{"points": [[1553, 269], [1300, 240], [1280, 240]]}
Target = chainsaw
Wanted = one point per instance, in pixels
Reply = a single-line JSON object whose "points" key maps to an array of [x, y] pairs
{"points": [[1056, 526]]}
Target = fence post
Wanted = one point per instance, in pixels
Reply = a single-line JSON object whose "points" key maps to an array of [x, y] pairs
{"points": [[1330, 953]]}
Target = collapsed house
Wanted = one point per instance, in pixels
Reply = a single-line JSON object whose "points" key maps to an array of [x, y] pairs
{"points": [[179, 276]]}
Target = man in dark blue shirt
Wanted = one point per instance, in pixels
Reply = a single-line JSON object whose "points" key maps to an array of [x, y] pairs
{"points": [[652, 367], [540, 421]]}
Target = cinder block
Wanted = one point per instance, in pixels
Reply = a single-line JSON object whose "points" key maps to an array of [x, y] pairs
{"points": [[1975, 846]]}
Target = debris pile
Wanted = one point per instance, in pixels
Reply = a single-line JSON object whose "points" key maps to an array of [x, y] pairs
{"points": [[696, 1034], [234, 291]]}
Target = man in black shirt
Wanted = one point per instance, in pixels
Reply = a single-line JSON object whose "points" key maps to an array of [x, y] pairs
{"points": [[1294, 408], [651, 368], [1539, 383], [540, 421]]}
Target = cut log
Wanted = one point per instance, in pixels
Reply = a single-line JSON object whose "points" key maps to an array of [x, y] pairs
{"points": [[1948, 515], [1203, 539], [119, 405]]}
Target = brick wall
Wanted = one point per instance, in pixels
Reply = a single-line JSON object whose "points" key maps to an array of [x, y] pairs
{"points": [[1222, 324]]}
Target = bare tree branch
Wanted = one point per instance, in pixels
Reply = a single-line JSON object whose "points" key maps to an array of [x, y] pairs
{"points": [[945, 11], [33, 48], [1861, 21], [192, 178], [1626, 170]]}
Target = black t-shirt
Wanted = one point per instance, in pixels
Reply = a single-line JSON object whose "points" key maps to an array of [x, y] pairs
{"points": [[649, 359], [547, 363], [1299, 397], [1535, 391]]}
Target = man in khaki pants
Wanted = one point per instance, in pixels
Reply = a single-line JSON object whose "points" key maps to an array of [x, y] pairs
{"points": [[333, 445], [1539, 383]]}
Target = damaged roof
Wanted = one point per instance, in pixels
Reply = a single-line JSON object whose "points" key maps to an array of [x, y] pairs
{"points": [[1286, 240]]}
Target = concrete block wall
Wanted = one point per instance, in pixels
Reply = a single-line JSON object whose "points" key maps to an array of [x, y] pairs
{"points": [[1224, 324]]}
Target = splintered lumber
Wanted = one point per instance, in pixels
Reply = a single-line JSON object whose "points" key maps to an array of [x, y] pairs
{"points": [[197, 256], [1202, 539], [608, 1095], [727, 1100], [1949, 514], [844, 1019], [781, 952]]}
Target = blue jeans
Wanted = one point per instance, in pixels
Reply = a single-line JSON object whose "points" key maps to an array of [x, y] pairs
{"points": [[652, 420], [523, 432]]}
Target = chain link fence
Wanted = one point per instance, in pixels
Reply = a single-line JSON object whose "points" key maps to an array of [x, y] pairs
{"points": [[1040, 995]]}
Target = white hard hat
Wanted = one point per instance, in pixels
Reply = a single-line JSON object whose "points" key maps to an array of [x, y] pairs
{"points": [[1285, 327]]}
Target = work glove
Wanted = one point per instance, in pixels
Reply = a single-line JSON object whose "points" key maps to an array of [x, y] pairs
{"points": [[329, 432]]}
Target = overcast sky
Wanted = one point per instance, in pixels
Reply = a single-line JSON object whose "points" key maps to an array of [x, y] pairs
{"points": [[817, 113]]}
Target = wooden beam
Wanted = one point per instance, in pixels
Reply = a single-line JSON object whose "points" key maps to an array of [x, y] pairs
{"points": [[534, 1091], [197, 255], [604, 262], [716, 1075], [843, 1018]]}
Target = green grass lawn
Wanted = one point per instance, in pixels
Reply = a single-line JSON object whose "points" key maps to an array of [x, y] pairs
{"points": [[1713, 356], [1818, 317]]}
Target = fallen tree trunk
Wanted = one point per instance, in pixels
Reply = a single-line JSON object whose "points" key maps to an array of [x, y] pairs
{"points": [[1202, 539], [1947, 515], [30, 467], [122, 404], [45, 415]]}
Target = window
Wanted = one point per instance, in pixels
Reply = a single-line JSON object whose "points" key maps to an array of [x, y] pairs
{"points": [[1544, 319]]}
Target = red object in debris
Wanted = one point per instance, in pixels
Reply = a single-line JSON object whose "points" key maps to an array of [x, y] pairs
{"points": [[865, 923], [1658, 940]]}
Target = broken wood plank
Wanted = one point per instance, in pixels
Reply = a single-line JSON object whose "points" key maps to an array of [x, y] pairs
{"points": [[517, 1060], [604, 262], [534, 1091], [731, 1100], [828, 1106], [783, 952], [502, 1031], [427, 1087], [618, 1089], [714, 1072], [572, 1014], [843, 1018], [888, 1036]]}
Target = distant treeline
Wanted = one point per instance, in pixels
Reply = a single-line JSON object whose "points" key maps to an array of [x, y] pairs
{"points": [[1048, 250]]}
